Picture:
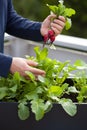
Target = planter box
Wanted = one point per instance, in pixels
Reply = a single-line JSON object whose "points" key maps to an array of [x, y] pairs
{"points": [[56, 119]]}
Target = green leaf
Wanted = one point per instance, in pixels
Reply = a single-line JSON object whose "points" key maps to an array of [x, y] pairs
{"points": [[13, 89], [82, 94], [48, 106], [68, 106], [41, 79], [43, 53], [55, 90], [69, 12], [38, 107], [31, 75], [72, 89], [32, 95], [80, 64], [17, 77], [3, 92], [37, 51], [61, 10], [53, 8], [23, 111], [68, 23]]}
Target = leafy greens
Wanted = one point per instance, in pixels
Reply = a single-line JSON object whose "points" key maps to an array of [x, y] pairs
{"points": [[39, 95], [62, 10]]}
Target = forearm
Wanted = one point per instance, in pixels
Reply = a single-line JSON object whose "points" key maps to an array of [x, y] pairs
{"points": [[5, 63]]}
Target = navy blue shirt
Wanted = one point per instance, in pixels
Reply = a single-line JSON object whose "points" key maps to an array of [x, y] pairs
{"points": [[14, 24]]}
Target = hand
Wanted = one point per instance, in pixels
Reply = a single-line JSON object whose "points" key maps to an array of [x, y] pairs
{"points": [[56, 25], [21, 65]]}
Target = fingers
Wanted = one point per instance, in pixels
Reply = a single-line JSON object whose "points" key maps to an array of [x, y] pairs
{"points": [[57, 25], [22, 65], [62, 18], [55, 17], [51, 16], [36, 71], [31, 63], [59, 22], [54, 23]]}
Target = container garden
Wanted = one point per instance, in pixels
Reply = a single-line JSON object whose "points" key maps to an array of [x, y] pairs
{"points": [[56, 101]]}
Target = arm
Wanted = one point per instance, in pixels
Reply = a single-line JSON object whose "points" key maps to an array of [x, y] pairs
{"points": [[9, 64], [22, 27], [5, 63], [30, 30]]}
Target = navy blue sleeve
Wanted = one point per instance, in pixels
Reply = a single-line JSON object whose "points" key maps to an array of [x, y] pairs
{"points": [[22, 27], [5, 63]]}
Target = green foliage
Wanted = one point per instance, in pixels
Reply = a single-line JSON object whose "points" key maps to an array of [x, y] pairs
{"points": [[38, 107], [61, 10], [41, 94], [81, 84], [68, 106], [23, 110], [37, 10]]}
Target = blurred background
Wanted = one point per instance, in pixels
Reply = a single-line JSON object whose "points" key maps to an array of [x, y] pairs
{"points": [[37, 10]]}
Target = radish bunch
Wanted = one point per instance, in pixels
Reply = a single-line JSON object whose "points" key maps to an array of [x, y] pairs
{"points": [[59, 10], [50, 36]]}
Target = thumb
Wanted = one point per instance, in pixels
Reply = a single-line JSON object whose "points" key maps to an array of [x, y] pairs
{"points": [[51, 16]]}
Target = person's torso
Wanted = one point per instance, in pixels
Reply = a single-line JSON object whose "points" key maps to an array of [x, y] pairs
{"points": [[3, 21]]}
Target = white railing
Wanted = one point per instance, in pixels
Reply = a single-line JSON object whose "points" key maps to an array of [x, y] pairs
{"points": [[71, 42], [63, 41]]}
